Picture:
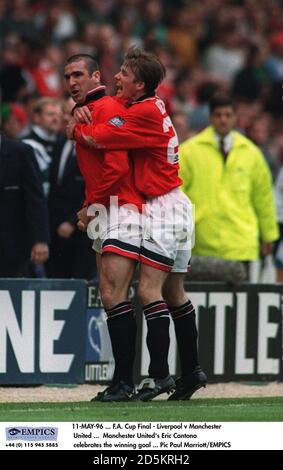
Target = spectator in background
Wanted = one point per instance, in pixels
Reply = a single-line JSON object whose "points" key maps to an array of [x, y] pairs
{"points": [[246, 113], [42, 75], [13, 83], [150, 19], [259, 133], [43, 135], [226, 177], [24, 229], [11, 125], [199, 118], [225, 58], [13, 119], [70, 249], [253, 80], [183, 94], [275, 60], [180, 122], [274, 64], [278, 249], [182, 35], [107, 55]]}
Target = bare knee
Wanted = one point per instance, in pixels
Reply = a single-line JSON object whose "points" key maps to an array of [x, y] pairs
{"points": [[111, 295], [173, 289], [107, 297], [150, 284], [115, 277], [174, 293], [148, 293]]}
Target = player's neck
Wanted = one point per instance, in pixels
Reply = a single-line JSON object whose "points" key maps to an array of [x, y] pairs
{"points": [[137, 95]]}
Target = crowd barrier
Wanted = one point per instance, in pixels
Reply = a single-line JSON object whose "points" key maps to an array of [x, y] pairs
{"points": [[240, 334], [42, 331], [55, 331]]}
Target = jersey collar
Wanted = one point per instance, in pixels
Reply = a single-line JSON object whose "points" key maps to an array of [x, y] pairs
{"points": [[141, 98], [95, 94]]}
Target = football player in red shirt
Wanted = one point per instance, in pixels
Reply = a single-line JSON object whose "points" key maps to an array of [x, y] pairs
{"points": [[107, 173], [146, 130]]}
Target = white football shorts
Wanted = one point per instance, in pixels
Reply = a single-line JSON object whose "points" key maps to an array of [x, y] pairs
{"points": [[117, 229], [168, 232]]}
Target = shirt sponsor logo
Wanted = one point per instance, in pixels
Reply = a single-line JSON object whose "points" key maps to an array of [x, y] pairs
{"points": [[117, 121]]}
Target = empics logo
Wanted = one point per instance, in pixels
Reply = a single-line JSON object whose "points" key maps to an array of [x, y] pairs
{"points": [[32, 434], [13, 431]]}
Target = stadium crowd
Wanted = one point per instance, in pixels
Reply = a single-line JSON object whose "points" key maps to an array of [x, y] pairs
{"points": [[214, 46]]}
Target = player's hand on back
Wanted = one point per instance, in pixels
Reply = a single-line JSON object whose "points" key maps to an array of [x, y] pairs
{"points": [[82, 115], [70, 129], [83, 219]]}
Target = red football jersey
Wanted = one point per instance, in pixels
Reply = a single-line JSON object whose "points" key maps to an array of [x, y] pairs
{"points": [[147, 131], [106, 172]]}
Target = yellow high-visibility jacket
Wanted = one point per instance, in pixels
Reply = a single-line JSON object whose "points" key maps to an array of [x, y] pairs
{"points": [[234, 202]]}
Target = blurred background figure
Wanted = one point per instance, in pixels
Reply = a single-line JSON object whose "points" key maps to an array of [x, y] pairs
{"points": [[278, 249], [70, 249], [13, 118], [180, 122], [199, 118], [227, 178], [43, 135], [260, 133], [24, 233]]}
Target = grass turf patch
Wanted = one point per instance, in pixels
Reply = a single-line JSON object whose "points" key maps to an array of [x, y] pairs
{"points": [[211, 409]]}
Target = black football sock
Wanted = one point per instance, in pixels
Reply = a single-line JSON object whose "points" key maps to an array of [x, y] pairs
{"points": [[157, 340], [122, 329], [186, 334]]}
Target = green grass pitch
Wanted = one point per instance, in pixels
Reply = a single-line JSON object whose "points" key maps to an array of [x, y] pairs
{"points": [[213, 409]]}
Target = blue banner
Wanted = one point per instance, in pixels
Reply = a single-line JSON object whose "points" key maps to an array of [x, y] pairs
{"points": [[99, 360], [240, 332], [42, 331]]}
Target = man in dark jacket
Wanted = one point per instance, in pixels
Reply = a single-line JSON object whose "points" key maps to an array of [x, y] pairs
{"points": [[70, 249], [24, 232]]}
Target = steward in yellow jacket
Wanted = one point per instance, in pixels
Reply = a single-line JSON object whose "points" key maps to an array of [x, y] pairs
{"points": [[231, 190]]}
